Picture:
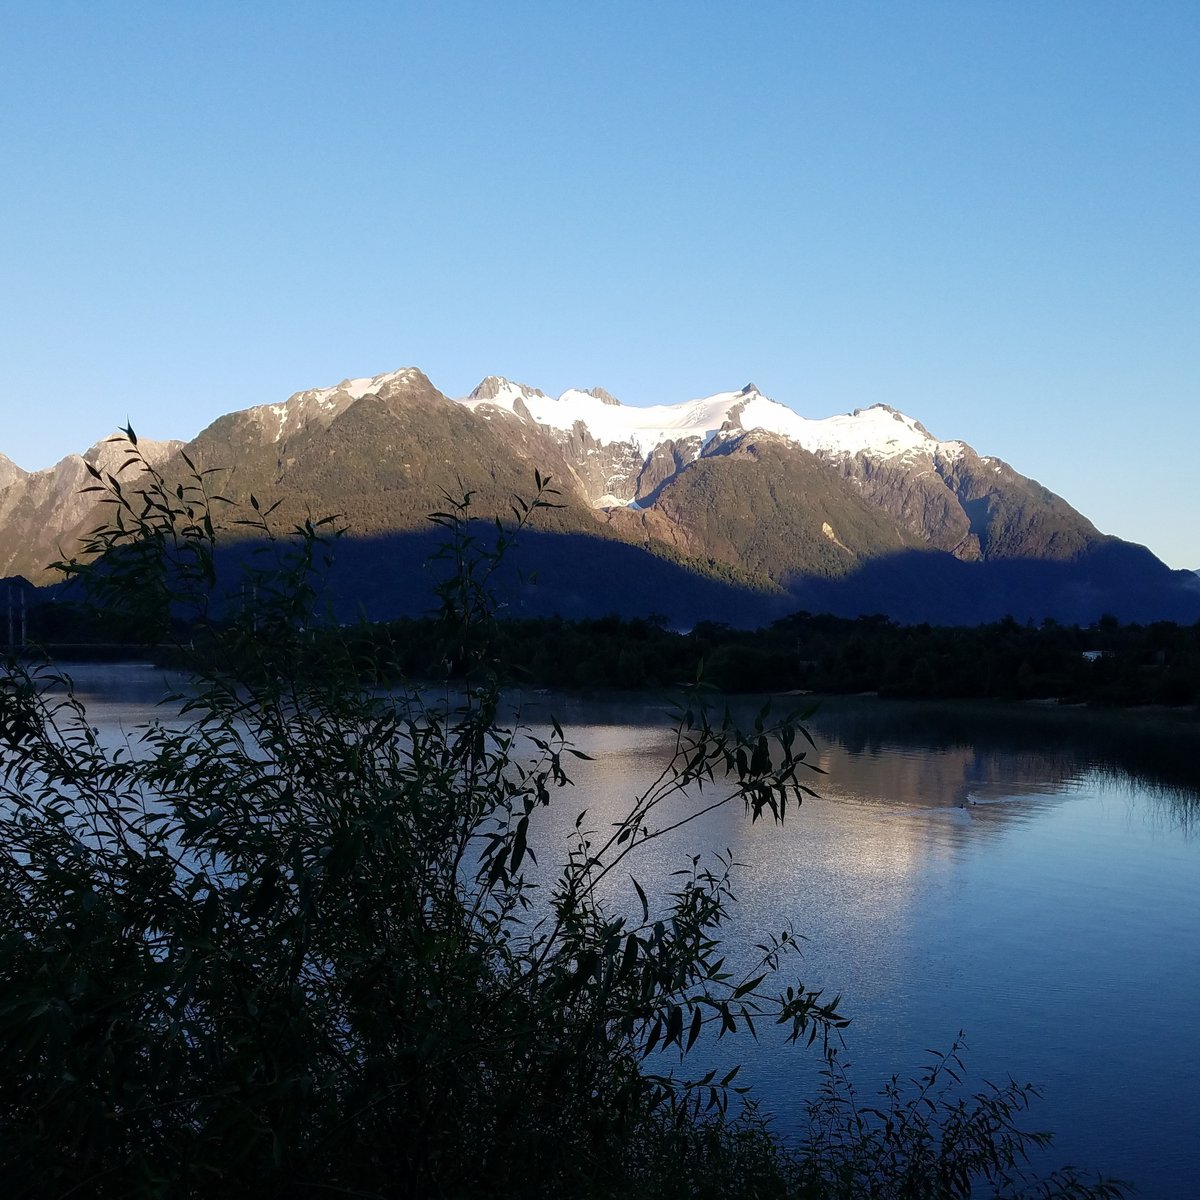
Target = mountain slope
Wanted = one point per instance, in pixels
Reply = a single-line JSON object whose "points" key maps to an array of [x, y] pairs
{"points": [[734, 486], [941, 492], [42, 513], [755, 501], [383, 459], [10, 473]]}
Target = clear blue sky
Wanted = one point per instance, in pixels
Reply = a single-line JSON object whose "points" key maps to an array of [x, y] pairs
{"points": [[984, 214]]}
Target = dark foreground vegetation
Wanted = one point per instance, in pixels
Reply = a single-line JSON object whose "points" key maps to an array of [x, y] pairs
{"points": [[290, 944]]}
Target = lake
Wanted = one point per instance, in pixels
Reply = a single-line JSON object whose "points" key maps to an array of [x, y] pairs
{"points": [[1031, 877]]}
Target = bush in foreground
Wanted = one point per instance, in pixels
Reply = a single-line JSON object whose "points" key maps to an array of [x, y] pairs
{"points": [[288, 942]]}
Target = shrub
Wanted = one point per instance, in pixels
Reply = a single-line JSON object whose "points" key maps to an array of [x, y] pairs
{"points": [[287, 942]]}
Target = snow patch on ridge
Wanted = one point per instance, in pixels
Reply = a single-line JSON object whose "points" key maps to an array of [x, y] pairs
{"points": [[356, 389], [878, 431], [644, 428], [322, 403]]}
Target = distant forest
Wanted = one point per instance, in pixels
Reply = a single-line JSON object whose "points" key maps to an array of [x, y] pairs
{"points": [[1106, 664]]}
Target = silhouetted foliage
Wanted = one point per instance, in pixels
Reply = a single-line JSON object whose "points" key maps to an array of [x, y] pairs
{"points": [[287, 941]]}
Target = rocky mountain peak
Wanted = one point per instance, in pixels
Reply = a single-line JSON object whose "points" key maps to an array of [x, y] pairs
{"points": [[111, 453], [10, 472], [604, 397], [353, 389], [322, 405], [496, 385], [895, 413], [488, 388], [409, 380]]}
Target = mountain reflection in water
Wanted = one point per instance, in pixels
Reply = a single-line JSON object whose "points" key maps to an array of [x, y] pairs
{"points": [[1030, 876]]}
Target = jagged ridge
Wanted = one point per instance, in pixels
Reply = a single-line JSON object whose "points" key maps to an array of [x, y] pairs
{"points": [[734, 485]]}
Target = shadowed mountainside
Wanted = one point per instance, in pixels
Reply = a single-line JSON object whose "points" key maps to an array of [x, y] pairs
{"points": [[878, 516]]}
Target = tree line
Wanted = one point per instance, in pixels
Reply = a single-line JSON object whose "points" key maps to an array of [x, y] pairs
{"points": [[1104, 664], [1108, 663]]}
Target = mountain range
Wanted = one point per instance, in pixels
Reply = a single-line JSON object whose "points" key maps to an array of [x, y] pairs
{"points": [[732, 507]]}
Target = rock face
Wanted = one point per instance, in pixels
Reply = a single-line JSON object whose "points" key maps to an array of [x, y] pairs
{"points": [[603, 396], [733, 485], [972, 507], [43, 513], [919, 497], [941, 495], [10, 473]]}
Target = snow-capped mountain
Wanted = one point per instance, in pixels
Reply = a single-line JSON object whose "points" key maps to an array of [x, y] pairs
{"points": [[817, 511], [878, 430], [320, 405], [941, 492], [695, 427]]}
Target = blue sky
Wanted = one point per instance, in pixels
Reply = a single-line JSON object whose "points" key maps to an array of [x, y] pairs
{"points": [[984, 214]]}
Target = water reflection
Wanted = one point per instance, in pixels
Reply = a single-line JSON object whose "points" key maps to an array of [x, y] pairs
{"points": [[1035, 749], [960, 755], [1032, 876]]}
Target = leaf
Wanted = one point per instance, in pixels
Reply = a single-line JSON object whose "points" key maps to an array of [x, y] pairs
{"points": [[674, 1026], [747, 987], [655, 1034], [642, 897], [629, 958], [518, 850]]}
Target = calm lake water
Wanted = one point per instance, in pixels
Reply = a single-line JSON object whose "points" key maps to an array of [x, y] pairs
{"points": [[1031, 878]]}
